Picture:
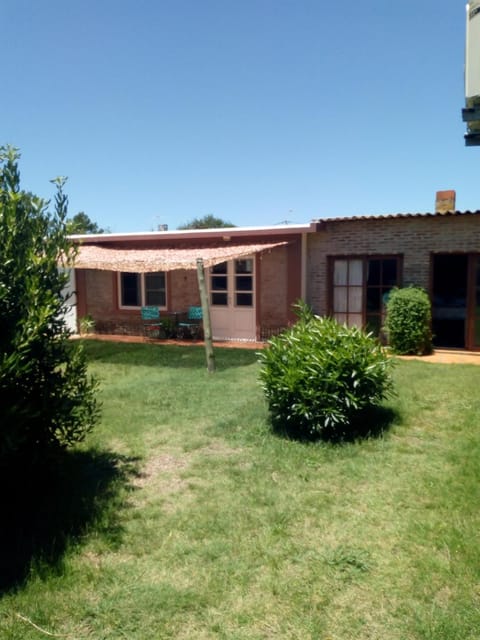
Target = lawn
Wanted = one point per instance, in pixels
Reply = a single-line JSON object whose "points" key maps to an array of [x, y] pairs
{"points": [[185, 517]]}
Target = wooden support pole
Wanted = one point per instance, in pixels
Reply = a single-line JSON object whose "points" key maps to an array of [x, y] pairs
{"points": [[207, 327]]}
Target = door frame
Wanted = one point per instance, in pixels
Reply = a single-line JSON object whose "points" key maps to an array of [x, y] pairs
{"points": [[473, 259], [470, 304], [233, 311]]}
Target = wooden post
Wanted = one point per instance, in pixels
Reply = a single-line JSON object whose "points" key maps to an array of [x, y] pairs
{"points": [[207, 327]]}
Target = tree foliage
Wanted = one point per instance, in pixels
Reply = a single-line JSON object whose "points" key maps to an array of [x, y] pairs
{"points": [[81, 223], [206, 222], [47, 399]]}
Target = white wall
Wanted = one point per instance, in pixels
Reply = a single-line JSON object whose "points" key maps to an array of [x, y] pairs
{"points": [[472, 52], [71, 314]]}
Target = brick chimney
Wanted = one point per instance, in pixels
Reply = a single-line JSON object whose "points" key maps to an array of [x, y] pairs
{"points": [[445, 201]]}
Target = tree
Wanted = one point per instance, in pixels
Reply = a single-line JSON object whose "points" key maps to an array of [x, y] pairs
{"points": [[207, 222], [47, 399], [81, 223]]}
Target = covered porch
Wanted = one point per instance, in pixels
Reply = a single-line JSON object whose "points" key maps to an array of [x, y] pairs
{"points": [[252, 283]]}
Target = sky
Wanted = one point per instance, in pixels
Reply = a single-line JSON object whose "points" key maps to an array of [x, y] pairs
{"points": [[255, 111]]}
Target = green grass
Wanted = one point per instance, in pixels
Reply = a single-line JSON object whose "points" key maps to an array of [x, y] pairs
{"points": [[185, 517]]}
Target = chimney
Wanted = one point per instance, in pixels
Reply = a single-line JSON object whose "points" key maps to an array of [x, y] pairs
{"points": [[445, 201]]}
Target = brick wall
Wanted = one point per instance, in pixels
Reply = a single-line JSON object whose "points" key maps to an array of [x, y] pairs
{"points": [[277, 281], [99, 287], [101, 298], [414, 238], [272, 282], [182, 289]]}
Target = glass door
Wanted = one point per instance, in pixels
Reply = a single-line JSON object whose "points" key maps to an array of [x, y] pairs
{"points": [[348, 291], [360, 290], [450, 302]]}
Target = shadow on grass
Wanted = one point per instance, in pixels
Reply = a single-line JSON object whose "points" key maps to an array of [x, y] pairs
{"points": [[372, 422], [45, 509], [166, 355]]}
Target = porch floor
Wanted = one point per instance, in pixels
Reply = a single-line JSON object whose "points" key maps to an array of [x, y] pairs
{"points": [[448, 356]]}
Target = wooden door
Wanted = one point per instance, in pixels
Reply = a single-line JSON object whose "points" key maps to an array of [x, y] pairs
{"points": [[232, 299]]}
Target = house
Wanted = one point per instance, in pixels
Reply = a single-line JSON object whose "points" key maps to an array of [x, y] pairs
{"points": [[254, 276], [343, 267], [354, 262]]}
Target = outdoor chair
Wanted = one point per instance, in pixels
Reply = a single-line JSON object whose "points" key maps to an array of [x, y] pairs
{"points": [[192, 326], [152, 326]]}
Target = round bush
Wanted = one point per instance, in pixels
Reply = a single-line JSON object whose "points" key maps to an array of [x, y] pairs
{"points": [[318, 376], [408, 321]]}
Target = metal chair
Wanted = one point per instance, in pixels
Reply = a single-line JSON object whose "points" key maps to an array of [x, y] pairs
{"points": [[192, 327], [151, 321]]}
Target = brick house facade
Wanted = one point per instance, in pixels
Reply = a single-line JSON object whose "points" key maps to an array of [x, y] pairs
{"points": [[343, 267], [438, 252], [274, 279]]}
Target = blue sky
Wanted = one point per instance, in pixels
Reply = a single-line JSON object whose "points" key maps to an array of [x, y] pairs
{"points": [[256, 111]]}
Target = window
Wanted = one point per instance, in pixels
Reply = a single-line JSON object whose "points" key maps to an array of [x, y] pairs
{"points": [[142, 289], [219, 284], [232, 284], [130, 290], [155, 289], [360, 288], [244, 283]]}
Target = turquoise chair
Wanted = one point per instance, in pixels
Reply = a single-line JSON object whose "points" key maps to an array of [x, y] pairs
{"points": [[151, 321], [192, 326]]}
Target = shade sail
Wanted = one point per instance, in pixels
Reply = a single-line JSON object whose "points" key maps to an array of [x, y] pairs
{"points": [[168, 259]]}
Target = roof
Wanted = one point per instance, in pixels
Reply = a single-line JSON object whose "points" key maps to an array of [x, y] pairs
{"points": [[93, 256], [208, 238], [390, 216], [197, 234]]}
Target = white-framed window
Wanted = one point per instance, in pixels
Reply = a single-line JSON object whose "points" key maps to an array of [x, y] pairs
{"points": [[142, 289], [232, 283]]}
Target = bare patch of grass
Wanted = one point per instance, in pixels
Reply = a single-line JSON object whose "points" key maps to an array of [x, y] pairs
{"points": [[157, 467]]}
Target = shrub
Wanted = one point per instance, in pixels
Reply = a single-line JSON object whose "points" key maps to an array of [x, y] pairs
{"points": [[318, 376], [86, 324], [47, 399], [168, 329], [408, 321]]}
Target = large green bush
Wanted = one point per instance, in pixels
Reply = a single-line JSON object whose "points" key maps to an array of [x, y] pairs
{"points": [[318, 376], [47, 399], [408, 321]]}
